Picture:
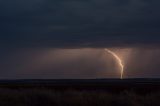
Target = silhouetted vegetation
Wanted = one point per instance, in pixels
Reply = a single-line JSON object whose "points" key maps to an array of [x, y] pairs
{"points": [[46, 97], [103, 92]]}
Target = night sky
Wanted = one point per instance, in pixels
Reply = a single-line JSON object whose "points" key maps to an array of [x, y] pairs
{"points": [[66, 38]]}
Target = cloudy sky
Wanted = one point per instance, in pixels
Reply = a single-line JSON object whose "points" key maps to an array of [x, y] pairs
{"points": [[66, 38]]}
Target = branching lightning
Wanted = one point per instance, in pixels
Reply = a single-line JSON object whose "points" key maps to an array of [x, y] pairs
{"points": [[118, 60]]}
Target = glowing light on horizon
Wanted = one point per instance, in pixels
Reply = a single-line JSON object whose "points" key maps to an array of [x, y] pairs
{"points": [[118, 60]]}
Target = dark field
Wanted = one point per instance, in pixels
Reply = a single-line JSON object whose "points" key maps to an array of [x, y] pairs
{"points": [[95, 92]]}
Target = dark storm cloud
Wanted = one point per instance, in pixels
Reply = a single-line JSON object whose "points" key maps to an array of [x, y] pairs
{"points": [[50, 24], [79, 23]]}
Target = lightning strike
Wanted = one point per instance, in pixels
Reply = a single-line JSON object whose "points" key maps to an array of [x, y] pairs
{"points": [[118, 60]]}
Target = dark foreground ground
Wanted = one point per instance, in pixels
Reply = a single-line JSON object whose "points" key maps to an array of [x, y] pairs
{"points": [[97, 92]]}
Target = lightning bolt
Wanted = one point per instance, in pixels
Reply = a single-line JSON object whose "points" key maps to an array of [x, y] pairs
{"points": [[118, 60]]}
